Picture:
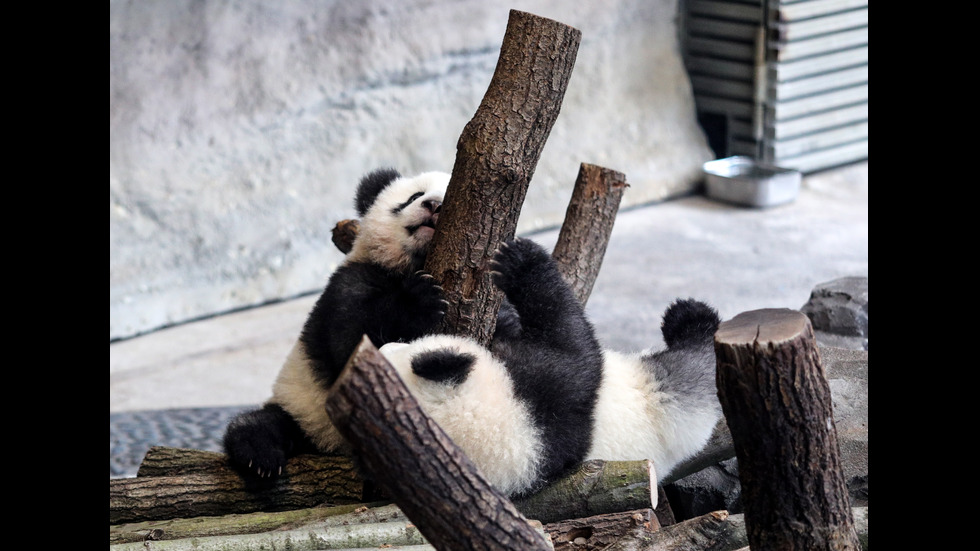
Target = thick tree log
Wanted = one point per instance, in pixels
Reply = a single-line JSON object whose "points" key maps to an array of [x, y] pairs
{"points": [[598, 487], [779, 408], [596, 532], [418, 465], [253, 523], [219, 490], [496, 156], [588, 224]]}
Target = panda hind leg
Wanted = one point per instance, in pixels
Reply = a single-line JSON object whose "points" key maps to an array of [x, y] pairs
{"points": [[259, 442]]}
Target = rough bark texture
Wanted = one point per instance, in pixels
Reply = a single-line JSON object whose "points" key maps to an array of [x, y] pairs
{"points": [[496, 155], [410, 457], [596, 488], [596, 532], [717, 531], [778, 406], [216, 489], [588, 224], [252, 523]]}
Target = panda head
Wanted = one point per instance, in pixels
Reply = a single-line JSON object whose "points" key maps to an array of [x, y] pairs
{"points": [[468, 392], [398, 217]]}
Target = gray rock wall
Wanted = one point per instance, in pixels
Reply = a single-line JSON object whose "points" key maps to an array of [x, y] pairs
{"points": [[238, 129]]}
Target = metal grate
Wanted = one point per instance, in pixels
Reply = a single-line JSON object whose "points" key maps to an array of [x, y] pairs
{"points": [[788, 80]]}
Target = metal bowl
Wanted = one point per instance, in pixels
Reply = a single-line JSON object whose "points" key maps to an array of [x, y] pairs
{"points": [[744, 181]]}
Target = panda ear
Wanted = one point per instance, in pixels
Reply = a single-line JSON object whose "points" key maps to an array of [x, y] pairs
{"points": [[443, 366], [370, 186]]}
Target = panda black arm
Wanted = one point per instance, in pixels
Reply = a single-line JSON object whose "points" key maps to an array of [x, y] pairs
{"points": [[259, 442], [367, 299], [547, 308]]}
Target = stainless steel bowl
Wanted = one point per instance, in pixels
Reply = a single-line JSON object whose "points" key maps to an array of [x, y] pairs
{"points": [[744, 181]]}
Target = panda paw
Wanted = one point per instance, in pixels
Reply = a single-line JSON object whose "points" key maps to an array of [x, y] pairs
{"points": [[518, 264], [427, 295], [255, 449]]}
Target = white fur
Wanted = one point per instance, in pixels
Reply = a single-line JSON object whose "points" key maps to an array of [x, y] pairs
{"points": [[384, 240], [481, 415], [303, 397], [634, 420]]}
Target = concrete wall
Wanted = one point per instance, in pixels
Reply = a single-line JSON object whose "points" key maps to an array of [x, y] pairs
{"points": [[238, 130]]}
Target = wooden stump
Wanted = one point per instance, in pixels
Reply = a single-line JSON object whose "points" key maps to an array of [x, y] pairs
{"points": [[588, 224], [778, 406]]}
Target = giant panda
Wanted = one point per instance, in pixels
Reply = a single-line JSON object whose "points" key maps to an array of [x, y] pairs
{"points": [[660, 406], [542, 372]]}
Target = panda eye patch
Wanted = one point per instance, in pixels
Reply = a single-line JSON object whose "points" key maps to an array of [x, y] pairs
{"points": [[410, 200]]}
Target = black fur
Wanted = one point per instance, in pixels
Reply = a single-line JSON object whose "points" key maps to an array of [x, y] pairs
{"points": [[689, 322], [687, 367], [370, 186], [443, 366], [273, 436], [553, 357]]}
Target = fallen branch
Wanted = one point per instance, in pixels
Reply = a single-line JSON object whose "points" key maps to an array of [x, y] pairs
{"points": [[588, 224], [252, 523], [716, 531], [213, 488], [496, 156], [596, 532], [418, 465], [375, 535], [779, 408], [597, 487]]}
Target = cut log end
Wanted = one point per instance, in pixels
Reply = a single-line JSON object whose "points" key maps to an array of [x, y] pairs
{"points": [[766, 325]]}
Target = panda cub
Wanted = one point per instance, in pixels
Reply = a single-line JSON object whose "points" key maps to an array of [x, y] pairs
{"points": [[377, 291], [531, 396]]}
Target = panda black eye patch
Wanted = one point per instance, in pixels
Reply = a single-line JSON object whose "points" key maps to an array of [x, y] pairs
{"points": [[411, 199], [443, 366]]}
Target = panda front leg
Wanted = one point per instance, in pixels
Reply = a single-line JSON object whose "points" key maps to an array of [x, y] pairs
{"points": [[259, 442], [545, 304]]}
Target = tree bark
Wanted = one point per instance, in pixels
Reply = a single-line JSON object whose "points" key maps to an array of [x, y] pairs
{"points": [[597, 487], [588, 224], [779, 408], [252, 523], [596, 532], [716, 531], [410, 457], [216, 489], [496, 156]]}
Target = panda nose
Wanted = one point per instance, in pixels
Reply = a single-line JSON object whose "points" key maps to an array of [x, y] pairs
{"points": [[432, 206]]}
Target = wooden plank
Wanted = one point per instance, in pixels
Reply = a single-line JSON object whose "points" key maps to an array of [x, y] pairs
{"points": [[735, 89], [702, 26], [782, 130], [709, 104], [728, 10], [783, 91], [819, 141], [725, 49], [822, 102], [820, 64], [790, 51], [784, 12], [786, 32], [825, 159], [720, 68]]}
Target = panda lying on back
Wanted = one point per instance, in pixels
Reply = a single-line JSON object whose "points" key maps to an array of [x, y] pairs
{"points": [[531, 413], [523, 410]]}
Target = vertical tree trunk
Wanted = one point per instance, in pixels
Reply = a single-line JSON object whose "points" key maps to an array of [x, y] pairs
{"points": [[496, 155], [779, 409], [588, 223], [410, 457]]}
